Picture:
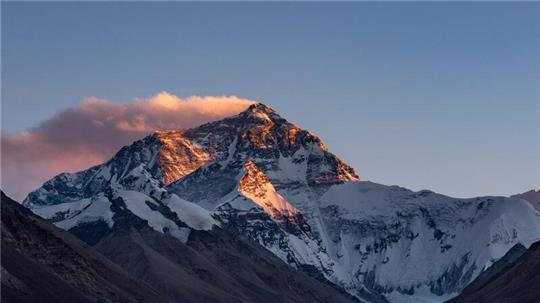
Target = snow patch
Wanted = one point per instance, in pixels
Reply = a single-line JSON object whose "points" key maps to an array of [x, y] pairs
{"points": [[68, 209], [136, 202], [98, 209], [190, 213]]}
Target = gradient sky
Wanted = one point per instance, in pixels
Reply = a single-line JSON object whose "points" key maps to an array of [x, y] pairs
{"points": [[443, 96]]}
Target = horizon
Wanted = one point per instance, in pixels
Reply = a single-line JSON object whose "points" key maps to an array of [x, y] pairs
{"points": [[431, 97]]}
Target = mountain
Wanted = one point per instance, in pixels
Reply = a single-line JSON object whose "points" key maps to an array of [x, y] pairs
{"points": [[261, 176], [212, 266], [533, 196], [42, 263], [514, 281]]}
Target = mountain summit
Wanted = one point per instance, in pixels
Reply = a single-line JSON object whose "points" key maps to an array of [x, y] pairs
{"points": [[261, 176], [258, 134]]}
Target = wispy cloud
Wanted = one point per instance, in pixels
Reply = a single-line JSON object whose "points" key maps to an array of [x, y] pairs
{"points": [[92, 132]]}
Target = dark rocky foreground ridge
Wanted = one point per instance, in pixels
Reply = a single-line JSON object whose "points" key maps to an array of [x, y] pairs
{"points": [[42, 263], [513, 279]]}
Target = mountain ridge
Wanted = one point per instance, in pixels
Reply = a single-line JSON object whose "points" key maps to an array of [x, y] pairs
{"points": [[532, 196], [42, 263], [134, 263], [271, 181]]}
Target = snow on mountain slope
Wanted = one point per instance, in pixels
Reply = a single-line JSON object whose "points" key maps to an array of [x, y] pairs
{"points": [[278, 184], [399, 241], [376, 239], [133, 180], [98, 209], [256, 186], [192, 214], [256, 209]]}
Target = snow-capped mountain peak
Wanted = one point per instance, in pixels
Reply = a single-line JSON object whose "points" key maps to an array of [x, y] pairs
{"points": [[270, 180], [260, 112]]}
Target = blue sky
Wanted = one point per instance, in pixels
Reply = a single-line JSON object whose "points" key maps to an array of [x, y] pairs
{"points": [[443, 96]]}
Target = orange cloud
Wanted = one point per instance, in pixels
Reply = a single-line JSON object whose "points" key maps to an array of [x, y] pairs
{"points": [[89, 134]]}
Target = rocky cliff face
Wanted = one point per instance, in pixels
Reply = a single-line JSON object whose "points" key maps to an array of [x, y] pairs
{"points": [[266, 178]]}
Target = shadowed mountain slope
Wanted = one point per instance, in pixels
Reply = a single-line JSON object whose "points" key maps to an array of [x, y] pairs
{"points": [[42, 263], [213, 266], [510, 281], [533, 196]]}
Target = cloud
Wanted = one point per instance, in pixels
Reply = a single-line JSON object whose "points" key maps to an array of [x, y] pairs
{"points": [[89, 134]]}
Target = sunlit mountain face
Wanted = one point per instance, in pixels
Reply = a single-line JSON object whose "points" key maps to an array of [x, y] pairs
{"points": [[259, 176]]}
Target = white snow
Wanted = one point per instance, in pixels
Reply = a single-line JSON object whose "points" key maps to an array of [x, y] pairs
{"points": [[190, 213], [68, 209], [136, 203], [484, 229], [289, 170], [231, 151], [98, 209], [262, 116], [481, 229], [256, 186]]}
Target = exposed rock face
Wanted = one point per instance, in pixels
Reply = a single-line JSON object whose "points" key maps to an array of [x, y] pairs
{"points": [[178, 156], [267, 179]]}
